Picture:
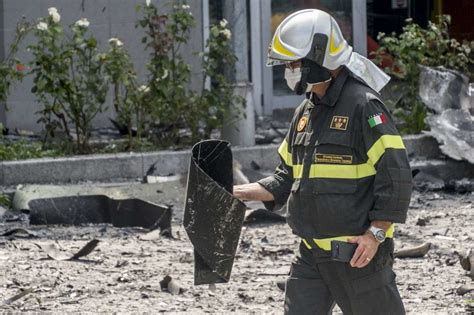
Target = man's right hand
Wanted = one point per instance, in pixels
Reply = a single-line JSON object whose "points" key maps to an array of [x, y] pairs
{"points": [[252, 191]]}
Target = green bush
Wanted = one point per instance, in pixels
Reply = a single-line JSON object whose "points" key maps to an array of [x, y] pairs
{"points": [[171, 106], [431, 46], [69, 78], [11, 69]]}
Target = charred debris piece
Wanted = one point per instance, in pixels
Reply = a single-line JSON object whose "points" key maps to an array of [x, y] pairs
{"points": [[213, 217], [77, 205]]}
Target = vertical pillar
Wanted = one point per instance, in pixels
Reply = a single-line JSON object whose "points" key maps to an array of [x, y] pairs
{"points": [[239, 131]]}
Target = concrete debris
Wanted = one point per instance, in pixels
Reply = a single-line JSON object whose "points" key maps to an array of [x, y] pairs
{"points": [[414, 252], [442, 89], [446, 93], [151, 236], [53, 252], [74, 205], [446, 174], [462, 186], [454, 130]]}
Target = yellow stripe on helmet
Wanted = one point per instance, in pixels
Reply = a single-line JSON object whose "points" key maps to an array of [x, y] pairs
{"points": [[278, 47]]}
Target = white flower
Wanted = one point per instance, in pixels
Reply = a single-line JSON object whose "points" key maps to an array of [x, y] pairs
{"points": [[223, 23], [185, 6], [83, 23], [42, 26], [165, 74], [54, 14], [227, 33], [115, 42], [144, 89], [147, 3]]}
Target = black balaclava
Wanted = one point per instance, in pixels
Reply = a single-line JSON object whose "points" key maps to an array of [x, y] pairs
{"points": [[311, 73]]}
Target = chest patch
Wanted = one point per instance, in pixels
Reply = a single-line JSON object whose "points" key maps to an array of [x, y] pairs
{"points": [[333, 158], [302, 123], [339, 122]]}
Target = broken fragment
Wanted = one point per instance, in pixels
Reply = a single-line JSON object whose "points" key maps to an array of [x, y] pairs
{"points": [[170, 285], [213, 217], [53, 252], [122, 206]]}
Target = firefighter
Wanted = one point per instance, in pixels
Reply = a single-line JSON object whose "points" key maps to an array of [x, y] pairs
{"points": [[344, 173]]}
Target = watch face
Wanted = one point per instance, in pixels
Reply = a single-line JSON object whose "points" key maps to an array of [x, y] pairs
{"points": [[380, 236]]}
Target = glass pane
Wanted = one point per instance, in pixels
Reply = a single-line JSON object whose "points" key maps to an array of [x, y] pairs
{"points": [[341, 10]]}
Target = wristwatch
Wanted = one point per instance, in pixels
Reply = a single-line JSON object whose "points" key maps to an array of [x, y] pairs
{"points": [[378, 233]]}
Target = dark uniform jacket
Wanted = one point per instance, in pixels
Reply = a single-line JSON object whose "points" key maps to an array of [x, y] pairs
{"points": [[343, 164]]}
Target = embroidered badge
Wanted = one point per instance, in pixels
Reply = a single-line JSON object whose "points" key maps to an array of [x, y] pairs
{"points": [[333, 158], [302, 123], [377, 119], [339, 122]]}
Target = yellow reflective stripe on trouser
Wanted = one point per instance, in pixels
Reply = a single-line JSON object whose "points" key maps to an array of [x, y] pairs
{"points": [[285, 154], [384, 142], [353, 171], [325, 243]]}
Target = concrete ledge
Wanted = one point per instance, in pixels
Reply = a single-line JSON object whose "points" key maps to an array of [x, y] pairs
{"points": [[117, 167], [130, 166]]}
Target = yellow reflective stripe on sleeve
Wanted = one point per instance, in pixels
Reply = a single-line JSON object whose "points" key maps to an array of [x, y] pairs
{"points": [[277, 45], [341, 171], [384, 142], [325, 243], [285, 154], [336, 171]]}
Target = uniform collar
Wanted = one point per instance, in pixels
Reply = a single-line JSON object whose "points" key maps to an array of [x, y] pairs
{"points": [[334, 90]]}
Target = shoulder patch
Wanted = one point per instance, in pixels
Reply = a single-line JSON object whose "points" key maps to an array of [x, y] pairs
{"points": [[339, 122], [377, 119]]}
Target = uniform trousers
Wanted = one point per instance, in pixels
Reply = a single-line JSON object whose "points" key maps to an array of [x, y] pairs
{"points": [[316, 284]]}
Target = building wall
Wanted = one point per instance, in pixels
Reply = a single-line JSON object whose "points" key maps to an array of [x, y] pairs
{"points": [[108, 18]]}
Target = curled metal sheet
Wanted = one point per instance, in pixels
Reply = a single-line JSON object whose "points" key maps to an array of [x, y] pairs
{"points": [[213, 217]]}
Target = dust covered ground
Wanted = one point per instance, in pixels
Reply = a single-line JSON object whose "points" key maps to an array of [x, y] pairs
{"points": [[123, 273]]}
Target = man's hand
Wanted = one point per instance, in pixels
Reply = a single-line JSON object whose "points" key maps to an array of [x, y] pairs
{"points": [[366, 249], [252, 191]]}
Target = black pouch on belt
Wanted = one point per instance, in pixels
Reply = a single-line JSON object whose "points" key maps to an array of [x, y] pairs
{"points": [[342, 251]]}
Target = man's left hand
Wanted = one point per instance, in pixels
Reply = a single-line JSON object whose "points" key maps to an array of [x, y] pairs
{"points": [[366, 250]]}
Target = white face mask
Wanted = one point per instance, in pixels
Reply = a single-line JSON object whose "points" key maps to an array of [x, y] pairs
{"points": [[292, 77]]}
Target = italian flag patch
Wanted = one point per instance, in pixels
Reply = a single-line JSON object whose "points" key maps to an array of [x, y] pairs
{"points": [[377, 119]]}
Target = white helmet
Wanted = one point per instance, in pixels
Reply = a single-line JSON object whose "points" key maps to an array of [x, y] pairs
{"points": [[311, 34], [314, 34]]}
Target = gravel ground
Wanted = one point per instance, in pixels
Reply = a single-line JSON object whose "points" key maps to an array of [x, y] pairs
{"points": [[123, 273]]}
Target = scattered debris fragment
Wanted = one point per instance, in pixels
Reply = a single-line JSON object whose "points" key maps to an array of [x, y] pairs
{"points": [[151, 236], [20, 232], [168, 284], [24, 292], [213, 217], [414, 252], [467, 262], [53, 252]]}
